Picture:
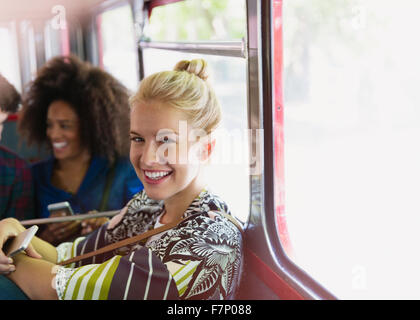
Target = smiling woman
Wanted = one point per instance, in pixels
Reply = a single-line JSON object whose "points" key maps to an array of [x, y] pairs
{"points": [[202, 255], [198, 257], [81, 113]]}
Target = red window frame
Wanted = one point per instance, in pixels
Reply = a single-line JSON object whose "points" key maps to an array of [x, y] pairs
{"points": [[279, 183]]}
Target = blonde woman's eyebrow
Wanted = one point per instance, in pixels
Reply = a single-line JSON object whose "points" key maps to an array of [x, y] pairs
{"points": [[135, 133], [166, 131]]}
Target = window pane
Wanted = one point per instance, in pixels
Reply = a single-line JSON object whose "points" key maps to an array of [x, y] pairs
{"points": [[228, 174], [351, 144], [193, 20], [9, 57], [56, 39], [117, 40], [27, 46]]}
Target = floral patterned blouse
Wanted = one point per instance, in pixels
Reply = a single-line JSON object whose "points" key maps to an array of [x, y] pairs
{"points": [[201, 258]]}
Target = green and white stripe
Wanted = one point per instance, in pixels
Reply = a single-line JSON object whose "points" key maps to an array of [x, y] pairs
{"points": [[67, 250], [92, 282], [184, 274]]}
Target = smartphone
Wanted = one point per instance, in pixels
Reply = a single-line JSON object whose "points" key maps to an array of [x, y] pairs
{"points": [[20, 242], [60, 207]]}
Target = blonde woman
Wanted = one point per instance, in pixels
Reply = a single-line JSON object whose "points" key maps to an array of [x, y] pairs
{"points": [[172, 117]]}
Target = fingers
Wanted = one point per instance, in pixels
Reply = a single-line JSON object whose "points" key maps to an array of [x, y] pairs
{"points": [[9, 228], [4, 236], [54, 227], [58, 214], [100, 221], [64, 230], [90, 225], [87, 226], [69, 230], [86, 230], [56, 233], [30, 251], [6, 264]]}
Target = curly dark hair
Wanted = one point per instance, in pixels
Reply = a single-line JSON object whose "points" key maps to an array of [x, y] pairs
{"points": [[9, 97], [99, 100]]}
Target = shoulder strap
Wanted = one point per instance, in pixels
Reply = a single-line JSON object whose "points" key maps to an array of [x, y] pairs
{"points": [[138, 238], [107, 188], [122, 243], [234, 221]]}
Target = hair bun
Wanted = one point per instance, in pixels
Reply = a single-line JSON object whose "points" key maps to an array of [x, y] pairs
{"points": [[196, 66]]}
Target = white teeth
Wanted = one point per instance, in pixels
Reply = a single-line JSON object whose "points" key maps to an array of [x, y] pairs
{"points": [[155, 175], [59, 145]]}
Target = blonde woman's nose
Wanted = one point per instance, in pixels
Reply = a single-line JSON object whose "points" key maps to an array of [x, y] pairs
{"points": [[149, 156]]}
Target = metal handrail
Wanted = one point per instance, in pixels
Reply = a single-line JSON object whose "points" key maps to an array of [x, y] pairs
{"points": [[70, 218], [221, 48]]}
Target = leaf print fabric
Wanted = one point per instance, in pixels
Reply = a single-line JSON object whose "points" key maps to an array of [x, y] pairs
{"points": [[201, 258]]}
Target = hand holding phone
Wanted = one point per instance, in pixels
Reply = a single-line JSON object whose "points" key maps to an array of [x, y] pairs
{"points": [[20, 243], [10, 229], [56, 233], [60, 209]]}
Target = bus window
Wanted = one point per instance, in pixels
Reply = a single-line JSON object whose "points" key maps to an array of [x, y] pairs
{"points": [[229, 172], [56, 39], [117, 45], [18, 67], [27, 45], [351, 133], [197, 20], [9, 61]]}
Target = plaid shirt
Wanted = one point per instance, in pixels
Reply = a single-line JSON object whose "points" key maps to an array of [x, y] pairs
{"points": [[16, 188]]}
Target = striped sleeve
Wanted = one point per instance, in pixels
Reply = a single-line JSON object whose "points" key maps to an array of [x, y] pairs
{"points": [[138, 276], [141, 275], [89, 282]]}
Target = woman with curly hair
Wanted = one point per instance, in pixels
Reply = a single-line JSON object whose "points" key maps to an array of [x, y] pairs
{"points": [[198, 256], [81, 113]]}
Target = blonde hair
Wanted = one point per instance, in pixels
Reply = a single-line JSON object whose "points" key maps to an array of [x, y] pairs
{"points": [[185, 88]]}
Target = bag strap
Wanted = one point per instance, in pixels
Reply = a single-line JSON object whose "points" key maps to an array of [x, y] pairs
{"points": [[122, 243], [107, 188], [234, 221], [138, 238]]}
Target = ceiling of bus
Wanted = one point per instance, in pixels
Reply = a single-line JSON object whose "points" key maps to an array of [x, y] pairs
{"points": [[34, 9], [44, 9]]}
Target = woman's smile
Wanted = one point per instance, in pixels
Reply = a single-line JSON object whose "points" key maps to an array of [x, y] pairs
{"points": [[156, 176], [59, 146]]}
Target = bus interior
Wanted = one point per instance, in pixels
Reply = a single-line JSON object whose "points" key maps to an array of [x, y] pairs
{"points": [[307, 165]]}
